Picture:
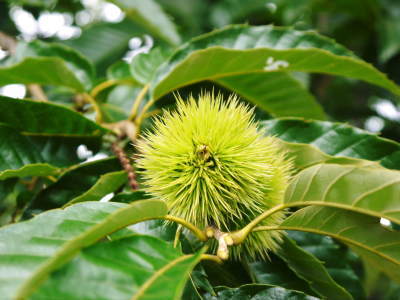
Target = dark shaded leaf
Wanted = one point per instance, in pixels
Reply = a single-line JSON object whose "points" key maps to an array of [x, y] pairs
{"points": [[77, 182], [276, 272], [344, 271], [27, 116], [258, 291], [107, 183], [309, 268], [364, 234]]}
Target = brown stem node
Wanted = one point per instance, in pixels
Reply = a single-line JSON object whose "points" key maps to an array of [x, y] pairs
{"points": [[224, 240]]}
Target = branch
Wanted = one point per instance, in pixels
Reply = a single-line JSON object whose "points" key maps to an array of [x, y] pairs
{"points": [[7, 42], [125, 163], [37, 92]]}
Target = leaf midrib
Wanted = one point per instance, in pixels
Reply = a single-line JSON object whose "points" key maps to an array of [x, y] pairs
{"points": [[333, 235], [157, 274], [342, 206], [72, 247], [317, 50]]}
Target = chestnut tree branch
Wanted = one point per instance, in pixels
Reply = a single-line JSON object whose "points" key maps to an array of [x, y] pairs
{"points": [[126, 165]]}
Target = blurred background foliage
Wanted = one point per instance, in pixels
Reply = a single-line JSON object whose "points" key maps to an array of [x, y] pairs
{"points": [[106, 31]]}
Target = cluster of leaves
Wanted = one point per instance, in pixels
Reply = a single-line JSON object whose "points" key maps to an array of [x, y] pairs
{"points": [[59, 240]]}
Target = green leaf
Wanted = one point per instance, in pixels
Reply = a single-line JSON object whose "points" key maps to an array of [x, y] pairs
{"points": [[388, 27], [19, 158], [167, 232], [181, 9], [150, 16], [30, 251], [304, 156], [231, 273], [156, 228], [30, 170], [130, 197], [119, 102], [83, 181], [8, 200], [362, 233], [61, 151], [48, 64], [106, 184], [257, 291], [309, 268], [277, 93], [275, 271], [24, 155], [144, 65], [39, 3], [344, 271], [336, 139], [130, 265], [388, 44], [96, 40], [120, 71], [242, 49], [32, 147], [27, 116], [237, 12], [370, 189]]}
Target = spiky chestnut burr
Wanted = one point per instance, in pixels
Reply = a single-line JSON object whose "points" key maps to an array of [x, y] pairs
{"points": [[213, 167]]}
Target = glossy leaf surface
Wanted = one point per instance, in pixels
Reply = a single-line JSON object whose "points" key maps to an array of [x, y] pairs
{"points": [[370, 189], [241, 49], [277, 93], [138, 267], [26, 116], [31, 250], [337, 139]]}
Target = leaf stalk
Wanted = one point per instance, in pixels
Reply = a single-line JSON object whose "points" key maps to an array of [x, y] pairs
{"points": [[240, 235], [137, 102], [196, 231]]}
